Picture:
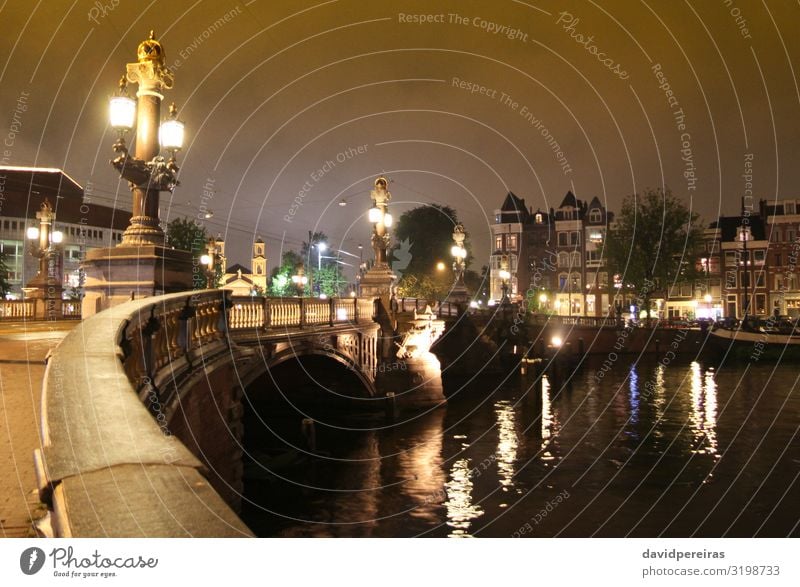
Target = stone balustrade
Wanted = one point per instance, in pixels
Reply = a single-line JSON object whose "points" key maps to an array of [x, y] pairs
{"points": [[109, 465]]}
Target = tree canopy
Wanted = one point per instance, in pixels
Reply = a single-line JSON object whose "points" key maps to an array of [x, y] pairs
{"points": [[429, 232], [653, 242], [187, 235]]}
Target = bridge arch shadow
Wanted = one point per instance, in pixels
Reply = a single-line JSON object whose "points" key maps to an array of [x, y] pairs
{"points": [[310, 379]]}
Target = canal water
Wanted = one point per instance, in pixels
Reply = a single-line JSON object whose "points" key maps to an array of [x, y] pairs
{"points": [[647, 450]]}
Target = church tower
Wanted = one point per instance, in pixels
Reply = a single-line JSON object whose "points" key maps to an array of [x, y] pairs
{"points": [[259, 275]]}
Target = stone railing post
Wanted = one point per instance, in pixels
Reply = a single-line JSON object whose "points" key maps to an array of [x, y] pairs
{"points": [[302, 312], [267, 313], [332, 311], [185, 318], [224, 308]]}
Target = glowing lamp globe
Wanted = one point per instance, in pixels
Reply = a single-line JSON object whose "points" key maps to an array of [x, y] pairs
{"points": [[171, 135], [33, 233], [122, 112], [387, 220], [374, 215], [57, 236]]}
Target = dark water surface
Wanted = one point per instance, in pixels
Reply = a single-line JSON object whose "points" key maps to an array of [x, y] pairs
{"points": [[682, 450]]}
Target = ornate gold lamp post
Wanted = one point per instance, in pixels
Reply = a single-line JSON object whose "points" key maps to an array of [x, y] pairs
{"points": [[140, 265], [47, 284], [459, 293], [505, 275], [147, 172], [377, 281]]}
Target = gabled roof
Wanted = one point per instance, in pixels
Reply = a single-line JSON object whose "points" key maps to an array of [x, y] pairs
{"points": [[234, 268], [513, 204], [729, 225], [236, 278], [595, 203], [569, 200]]}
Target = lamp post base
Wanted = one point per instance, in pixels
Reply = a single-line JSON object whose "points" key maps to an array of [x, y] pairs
{"points": [[377, 282], [143, 230], [47, 295], [131, 271], [458, 295]]}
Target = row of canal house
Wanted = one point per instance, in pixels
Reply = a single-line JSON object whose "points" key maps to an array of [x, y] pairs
{"points": [[556, 258]]}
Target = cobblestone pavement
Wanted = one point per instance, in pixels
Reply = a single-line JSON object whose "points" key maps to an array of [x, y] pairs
{"points": [[23, 348]]}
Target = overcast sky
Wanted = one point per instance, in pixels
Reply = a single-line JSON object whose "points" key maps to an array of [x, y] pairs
{"points": [[456, 102]]}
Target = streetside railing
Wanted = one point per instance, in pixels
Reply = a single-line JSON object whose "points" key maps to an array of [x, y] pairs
{"points": [[16, 310], [100, 430], [26, 310], [606, 321], [262, 312], [595, 321], [418, 304]]}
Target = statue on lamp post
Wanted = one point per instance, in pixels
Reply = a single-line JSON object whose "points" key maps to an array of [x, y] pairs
{"points": [[459, 293], [377, 281], [141, 265]]}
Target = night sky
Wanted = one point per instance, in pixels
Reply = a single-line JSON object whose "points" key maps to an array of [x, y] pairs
{"points": [[456, 102]]}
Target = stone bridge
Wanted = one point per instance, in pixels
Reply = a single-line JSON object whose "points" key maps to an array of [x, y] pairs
{"points": [[143, 404]]}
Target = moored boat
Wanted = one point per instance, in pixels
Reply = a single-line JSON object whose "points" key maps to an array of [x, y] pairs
{"points": [[755, 344]]}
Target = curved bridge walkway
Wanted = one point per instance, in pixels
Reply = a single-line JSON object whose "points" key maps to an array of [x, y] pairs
{"points": [[118, 457]]}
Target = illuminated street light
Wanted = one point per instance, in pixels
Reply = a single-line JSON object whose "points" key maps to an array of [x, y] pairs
{"points": [[47, 284], [146, 170], [300, 279]]}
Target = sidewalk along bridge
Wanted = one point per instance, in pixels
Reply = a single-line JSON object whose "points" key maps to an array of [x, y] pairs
{"points": [[144, 404]]}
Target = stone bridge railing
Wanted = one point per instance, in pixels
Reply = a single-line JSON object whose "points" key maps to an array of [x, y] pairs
{"points": [[108, 465], [441, 309], [26, 309]]}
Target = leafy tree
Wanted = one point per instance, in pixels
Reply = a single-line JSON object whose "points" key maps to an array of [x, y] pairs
{"points": [[433, 287], [429, 231], [652, 244], [187, 235], [280, 283], [5, 286], [328, 280]]}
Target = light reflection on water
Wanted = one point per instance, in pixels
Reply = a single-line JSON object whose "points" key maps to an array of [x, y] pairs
{"points": [[506, 453], [704, 410], [487, 462], [461, 510]]}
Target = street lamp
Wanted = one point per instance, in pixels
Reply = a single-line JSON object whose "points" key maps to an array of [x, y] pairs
{"points": [[504, 276], [377, 281], [209, 263], [381, 220], [146, 171], [300, 280], [46, 236], [321, 248], [459, 253], [46, 285]]}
